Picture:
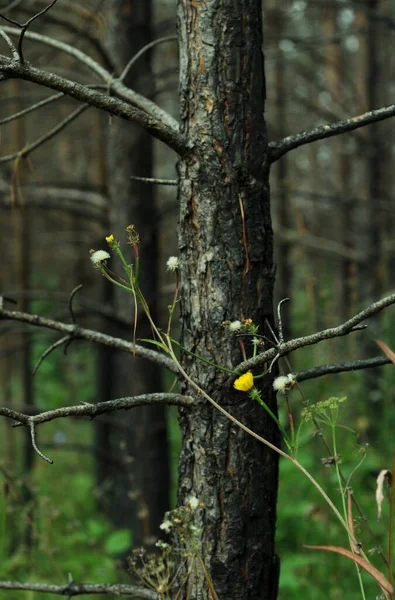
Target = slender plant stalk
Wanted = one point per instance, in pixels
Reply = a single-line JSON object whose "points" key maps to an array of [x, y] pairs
{"points": [[345, 511], [391, 524]]}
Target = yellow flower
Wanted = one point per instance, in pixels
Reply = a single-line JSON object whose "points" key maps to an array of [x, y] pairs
{"points": [[110, 239], [245, 382]]}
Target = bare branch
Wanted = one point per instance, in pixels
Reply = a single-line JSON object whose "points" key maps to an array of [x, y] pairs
{"points": [[115, 106], [78, 589], [89, 410], [71, 298], [88, 334], [115, 85], [31, 108], [354, 365], [134, 59], [154, 180], [94, 410], [24, 26], [278, 149], [285, 348], [47, 136], [32, 428], [11, 5], [9, 43], [49, 351]]}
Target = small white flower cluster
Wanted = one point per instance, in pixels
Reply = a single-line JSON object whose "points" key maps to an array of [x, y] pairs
{"points": [[181, 519], [172, 264], [284, 383], [99, 256]]}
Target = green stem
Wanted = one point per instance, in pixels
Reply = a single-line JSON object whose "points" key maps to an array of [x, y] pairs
{"points": [[207, 362], [345, 512], [127, 267], [255, 395]]}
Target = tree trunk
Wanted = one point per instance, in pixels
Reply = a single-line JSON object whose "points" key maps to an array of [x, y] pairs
{"points": [[226, 263]]}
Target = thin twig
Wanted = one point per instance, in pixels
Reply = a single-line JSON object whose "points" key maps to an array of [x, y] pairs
{"points": [[73, 293], [47, 136], [279, 319], [11, 5], [28, 23], [32, 428], [154, 180], [24, 26], [9, 43], [31, 108], [134, 59], [49, 350]]}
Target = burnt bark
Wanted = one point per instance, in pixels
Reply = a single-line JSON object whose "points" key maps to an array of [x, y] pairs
{"points": [[227, 272]]}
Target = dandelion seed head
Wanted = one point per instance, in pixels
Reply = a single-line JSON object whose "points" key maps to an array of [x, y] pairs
{"points": [[172, 263], [284, 383], [99, 256]]}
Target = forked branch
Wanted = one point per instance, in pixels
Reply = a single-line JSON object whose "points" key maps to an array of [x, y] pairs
{"points": [[77, 332], [284, 348], [12, 69], [89, 410]]}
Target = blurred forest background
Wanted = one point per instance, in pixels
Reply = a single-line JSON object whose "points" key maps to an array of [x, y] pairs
{"points": [[333, 215]]}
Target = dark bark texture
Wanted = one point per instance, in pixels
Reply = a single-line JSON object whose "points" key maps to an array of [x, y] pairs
{"points": [[227, 272]]}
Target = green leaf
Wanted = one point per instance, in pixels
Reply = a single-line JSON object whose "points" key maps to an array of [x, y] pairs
{"points": [[155, 343]]}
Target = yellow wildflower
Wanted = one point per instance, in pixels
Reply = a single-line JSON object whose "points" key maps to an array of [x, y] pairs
{"points": [[110, 239], [245, 382]]}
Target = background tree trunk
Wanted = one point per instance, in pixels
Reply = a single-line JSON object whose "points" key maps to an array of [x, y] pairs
{"points": [[227, 273], [139, 493]]}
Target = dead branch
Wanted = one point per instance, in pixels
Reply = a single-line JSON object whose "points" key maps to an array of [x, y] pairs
{"points": [[24, 26], [88, 334], [354, 365], [47, 136], [154, 180], [89, 410], [116, 86], [278, 149], [282, 349], [78, 589], [13, 69]]}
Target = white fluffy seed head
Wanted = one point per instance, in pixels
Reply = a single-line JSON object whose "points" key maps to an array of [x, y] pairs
{"points": [[98, 257], [284, 383], [235, 325], [172, 263]]}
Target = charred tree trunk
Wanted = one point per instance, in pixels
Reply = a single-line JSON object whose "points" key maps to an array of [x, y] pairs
{"points": [[226, 262]]}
